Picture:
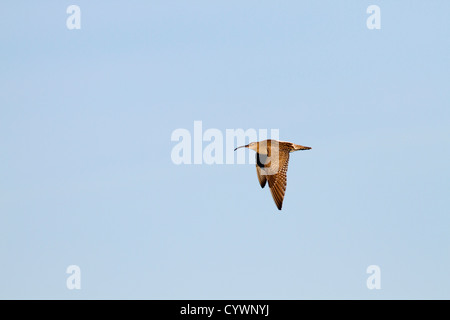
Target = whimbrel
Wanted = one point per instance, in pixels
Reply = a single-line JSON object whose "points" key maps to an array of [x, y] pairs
{"points": [[272, 158]]}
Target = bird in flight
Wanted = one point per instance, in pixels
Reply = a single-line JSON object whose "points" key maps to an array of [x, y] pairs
{"points": [[272, 158]]}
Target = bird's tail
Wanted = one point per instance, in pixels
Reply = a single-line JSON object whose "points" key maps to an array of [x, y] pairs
{"points": [[299, 147]]}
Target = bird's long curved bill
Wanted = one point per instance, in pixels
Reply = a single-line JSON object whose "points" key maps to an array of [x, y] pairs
{"points": [[240, 147]]}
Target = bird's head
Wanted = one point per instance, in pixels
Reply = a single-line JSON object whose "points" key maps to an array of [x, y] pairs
{"points": [[251, 145]]}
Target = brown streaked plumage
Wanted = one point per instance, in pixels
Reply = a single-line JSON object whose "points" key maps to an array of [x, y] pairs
{"points": [[272, 159]]}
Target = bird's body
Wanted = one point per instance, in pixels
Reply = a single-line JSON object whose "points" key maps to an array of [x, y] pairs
{"points": [[272, 158]]}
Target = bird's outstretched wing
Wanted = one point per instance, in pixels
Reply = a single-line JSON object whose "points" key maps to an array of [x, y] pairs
{"points": [[278, 181], [272, 167]]}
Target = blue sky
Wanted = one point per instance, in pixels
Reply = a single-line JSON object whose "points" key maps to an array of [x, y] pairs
{"points": [[86, 176]]}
